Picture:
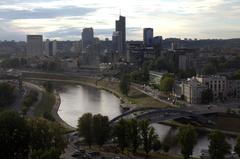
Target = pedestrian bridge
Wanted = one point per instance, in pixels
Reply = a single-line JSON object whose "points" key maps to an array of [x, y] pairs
{"points": [[156, 115]]}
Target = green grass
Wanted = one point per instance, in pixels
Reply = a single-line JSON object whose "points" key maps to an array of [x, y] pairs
{"points": [[45, 105], [227, 123], [134, 97]]}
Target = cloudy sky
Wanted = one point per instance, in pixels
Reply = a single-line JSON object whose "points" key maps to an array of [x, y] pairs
{"points": [[64, 19]]}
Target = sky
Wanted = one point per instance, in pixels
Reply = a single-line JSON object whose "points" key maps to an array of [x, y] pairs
{"points": [[64, 19]]}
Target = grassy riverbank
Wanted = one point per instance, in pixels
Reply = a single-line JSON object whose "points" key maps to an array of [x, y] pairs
{"points": [[135, 97], [46, 104]]}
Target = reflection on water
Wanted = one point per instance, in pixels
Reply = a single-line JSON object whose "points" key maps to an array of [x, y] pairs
{"points": [[168, 135], [77, 100]]}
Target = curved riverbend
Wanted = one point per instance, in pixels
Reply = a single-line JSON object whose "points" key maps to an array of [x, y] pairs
{"points": [[77, 100]]}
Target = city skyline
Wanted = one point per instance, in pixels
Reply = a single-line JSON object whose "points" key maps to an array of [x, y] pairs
{"points": [[64, 20]]}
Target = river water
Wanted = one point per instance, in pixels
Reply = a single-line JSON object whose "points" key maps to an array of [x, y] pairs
{"points": [[77, 100]]}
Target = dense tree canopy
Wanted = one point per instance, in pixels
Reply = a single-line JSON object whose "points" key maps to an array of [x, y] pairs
{"points": [[101, 129], [94, 129], [148, 136], [167, 82], [121, 134], [218, 147], [21, 137], [187, 137], [14, 136], [237, 147], [207, 96], [7, 94], [85, 128]]}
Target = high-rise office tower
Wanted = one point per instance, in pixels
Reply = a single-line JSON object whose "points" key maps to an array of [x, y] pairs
{"points": [[157, 43], [54, 48], [148, 36], [116, 41], [34, 45], [87, 37], [121, 29]]}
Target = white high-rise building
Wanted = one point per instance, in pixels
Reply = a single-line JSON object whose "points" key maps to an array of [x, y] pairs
{"points": [[34, 45]]}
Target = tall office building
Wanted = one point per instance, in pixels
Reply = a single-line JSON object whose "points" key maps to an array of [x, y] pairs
{"points": [[157, 43], [87, 37], [148, 36], [116, 41], [34, 45], [121, 29], [54, 48]]}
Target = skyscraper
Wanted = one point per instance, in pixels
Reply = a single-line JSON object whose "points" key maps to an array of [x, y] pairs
{"points": [[116, 41], [148, 36], [34, 45], [87, 37], [121, 29]]}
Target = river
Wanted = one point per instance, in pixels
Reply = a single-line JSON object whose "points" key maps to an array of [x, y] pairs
{"points": [[77, 100]]}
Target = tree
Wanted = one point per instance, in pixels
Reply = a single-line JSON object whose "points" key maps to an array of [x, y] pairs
{"points": [[48, 86], [134, 135], [45, 136], [187, 137], [7, 94], [101, 129], [121, 134], [85, 128], [218, 147], [45, 154], [148, 135], [209, 69], [166, 83], [207, 96], [125, 84], [157, 145], [237, 147], [14, 136]]}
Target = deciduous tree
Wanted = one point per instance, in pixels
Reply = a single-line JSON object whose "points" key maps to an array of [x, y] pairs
{"points": [[187, 137], [85, 128], [148, 135], [218, 147]]}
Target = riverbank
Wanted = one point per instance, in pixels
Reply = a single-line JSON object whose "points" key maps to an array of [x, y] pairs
{"points": [[135, 96], [55, 115]]}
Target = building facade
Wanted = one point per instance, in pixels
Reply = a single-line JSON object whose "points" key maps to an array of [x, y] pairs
{"points": [[87, 37], [121, 29], [221, 88], [217, 84], [34, 45], [148, 36]]}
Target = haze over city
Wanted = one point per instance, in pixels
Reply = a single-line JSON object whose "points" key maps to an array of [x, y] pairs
{"points": [[64, 19]]}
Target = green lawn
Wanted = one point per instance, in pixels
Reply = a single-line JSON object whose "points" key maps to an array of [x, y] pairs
{"points": [[45, 105], [227, 123], [134, 96]]}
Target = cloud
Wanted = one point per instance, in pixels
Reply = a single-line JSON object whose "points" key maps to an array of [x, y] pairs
{"points": [[170, 18], [41, 13]]}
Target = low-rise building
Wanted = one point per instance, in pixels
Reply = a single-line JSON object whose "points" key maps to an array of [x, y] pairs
{"points": [[217, 84], [192, 90], [221, 87]]}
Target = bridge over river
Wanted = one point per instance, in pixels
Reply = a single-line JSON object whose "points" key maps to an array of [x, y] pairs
{"points": [[156, 115]]}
